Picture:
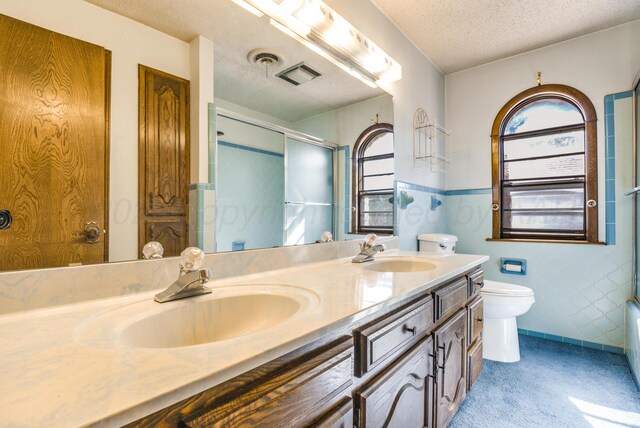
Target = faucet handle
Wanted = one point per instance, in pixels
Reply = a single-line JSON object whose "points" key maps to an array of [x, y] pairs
{"points": [[368, 241], [153, 250], [191, 259]]}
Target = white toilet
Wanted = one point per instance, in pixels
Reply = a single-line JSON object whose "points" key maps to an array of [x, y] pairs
{"points": [[503, 302], [437, 243]]}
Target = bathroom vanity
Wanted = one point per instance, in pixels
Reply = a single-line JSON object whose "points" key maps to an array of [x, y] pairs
{"points": [[408, 365], [392, 342]]}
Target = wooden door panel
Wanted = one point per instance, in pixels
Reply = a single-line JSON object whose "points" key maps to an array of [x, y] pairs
{"points": [[171, 234], [451, 357], [399, 396], [53, 145], [164, 159]]}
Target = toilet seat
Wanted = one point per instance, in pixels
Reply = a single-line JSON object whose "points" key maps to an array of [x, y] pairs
{"points": [[504, 289]]}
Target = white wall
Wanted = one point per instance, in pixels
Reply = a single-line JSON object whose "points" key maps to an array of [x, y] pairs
{"points": [[597, 64], [422, 84], [343, 126], [580, 289], [131, 44]]}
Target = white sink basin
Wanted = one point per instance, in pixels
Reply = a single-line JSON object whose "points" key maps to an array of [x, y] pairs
{"points": [[400, 264], [212, 320], [228, 313]]}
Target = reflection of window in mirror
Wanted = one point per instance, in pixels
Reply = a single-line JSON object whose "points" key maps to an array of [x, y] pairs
{"points": [[373, 173]]}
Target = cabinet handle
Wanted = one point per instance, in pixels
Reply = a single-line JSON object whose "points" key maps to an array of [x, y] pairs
{"points": [[412, 330], [479, 320]]}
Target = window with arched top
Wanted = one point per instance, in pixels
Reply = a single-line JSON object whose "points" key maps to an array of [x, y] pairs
{"points": [[544, 167], [373, 180]]}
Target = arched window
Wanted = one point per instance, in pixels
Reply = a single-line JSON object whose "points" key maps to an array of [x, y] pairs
{"points": [[373, 183], [544, 167]]}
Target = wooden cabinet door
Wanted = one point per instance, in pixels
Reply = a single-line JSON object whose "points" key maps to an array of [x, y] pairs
{"points": [[476, 318], [54, 98], [451, 370], [474, 365], [400, 395], [163, 160], [293, 398]]}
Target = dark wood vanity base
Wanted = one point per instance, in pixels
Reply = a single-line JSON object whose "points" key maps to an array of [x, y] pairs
{"points": [[408, 365]]}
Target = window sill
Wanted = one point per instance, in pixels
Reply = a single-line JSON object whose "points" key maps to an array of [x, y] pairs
{"points": [[545, 241]]}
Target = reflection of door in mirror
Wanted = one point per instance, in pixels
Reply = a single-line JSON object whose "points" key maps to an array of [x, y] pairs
{"points": [[309, 192], [163, 160], [53, 147]]}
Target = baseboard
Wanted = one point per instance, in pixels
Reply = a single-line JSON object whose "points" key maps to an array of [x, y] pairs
{"points": [[577, 342]]}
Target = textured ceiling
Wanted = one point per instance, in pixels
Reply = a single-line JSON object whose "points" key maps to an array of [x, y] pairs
{"points": [[458, 34], [235, 32]]}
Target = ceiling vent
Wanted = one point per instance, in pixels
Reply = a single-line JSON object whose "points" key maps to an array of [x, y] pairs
{"points": [[299, 74]]}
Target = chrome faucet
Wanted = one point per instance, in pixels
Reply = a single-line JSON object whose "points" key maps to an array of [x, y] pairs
{"points": [[191, 280], [368, 250]]}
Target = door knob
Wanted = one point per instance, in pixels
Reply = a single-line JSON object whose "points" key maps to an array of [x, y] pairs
{"points": [[5, 219], [90, 233]]}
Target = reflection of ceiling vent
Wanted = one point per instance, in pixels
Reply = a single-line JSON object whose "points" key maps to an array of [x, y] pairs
{"points": [[266, 59], [298, 74]]}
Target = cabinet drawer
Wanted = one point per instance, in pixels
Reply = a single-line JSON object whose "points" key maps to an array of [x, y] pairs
{"points": [[475, 314], [340, 416], [295, 397], [400, 395], [383, 338], [450, 297], [474, 367], [476, 282]]}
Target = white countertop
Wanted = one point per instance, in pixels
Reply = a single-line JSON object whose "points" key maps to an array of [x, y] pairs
{"points": [[65, 366]]}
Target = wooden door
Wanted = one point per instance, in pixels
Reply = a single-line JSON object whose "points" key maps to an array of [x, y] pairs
{"points": [[451, 370], [54, 106], [399, 396], [163, 163]]}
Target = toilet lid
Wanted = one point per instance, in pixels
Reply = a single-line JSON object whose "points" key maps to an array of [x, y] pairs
{"points": [[506, 289]]}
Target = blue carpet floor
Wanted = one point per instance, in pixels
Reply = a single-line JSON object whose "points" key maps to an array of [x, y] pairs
{"points": [[553, 385]]}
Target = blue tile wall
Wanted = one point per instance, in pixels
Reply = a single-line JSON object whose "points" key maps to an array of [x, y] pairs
{"points": [[583, 343], [610, 165]]}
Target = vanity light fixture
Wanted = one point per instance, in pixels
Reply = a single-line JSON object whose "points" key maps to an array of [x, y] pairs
{"points": [[320, 28], [248, 7]]}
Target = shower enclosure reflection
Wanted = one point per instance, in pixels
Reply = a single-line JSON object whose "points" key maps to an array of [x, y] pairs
{"points": [[274, 187]]}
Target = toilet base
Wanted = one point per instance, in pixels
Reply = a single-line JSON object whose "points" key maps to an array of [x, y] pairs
{"points": [[500, 340]]}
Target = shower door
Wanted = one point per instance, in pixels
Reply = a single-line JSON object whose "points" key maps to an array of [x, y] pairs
{"points": [[309, 191]]}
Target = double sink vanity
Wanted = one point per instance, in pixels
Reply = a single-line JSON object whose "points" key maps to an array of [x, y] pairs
{"points": [[392, 342]]}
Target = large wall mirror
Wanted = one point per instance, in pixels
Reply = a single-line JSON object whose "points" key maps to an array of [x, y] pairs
{"points": [[282, 157]]}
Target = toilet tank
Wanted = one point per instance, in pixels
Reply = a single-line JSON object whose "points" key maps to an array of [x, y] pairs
{"points": [[437, 243]]}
